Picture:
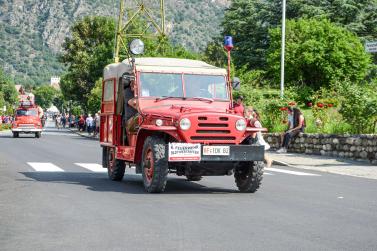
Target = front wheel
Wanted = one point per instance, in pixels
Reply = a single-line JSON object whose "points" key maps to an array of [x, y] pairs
{"points": [[249, 176], [115, 167], [38, 134], [15, 134], [154, 165]]}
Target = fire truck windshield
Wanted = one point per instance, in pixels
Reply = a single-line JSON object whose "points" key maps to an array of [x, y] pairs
{"points": [[171, 85], [32, 112]]}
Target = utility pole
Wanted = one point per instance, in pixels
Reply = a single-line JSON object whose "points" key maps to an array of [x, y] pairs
{"points": [[282, 51], [118, 32], [141, 10]]}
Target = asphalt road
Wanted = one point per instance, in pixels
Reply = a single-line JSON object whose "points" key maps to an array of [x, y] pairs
{"points": [[53, 196]]}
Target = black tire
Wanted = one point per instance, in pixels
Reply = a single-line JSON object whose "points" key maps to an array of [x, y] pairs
{"points": [[15, 134], [115, 167], [38, 134], [154, 165], [249, 176], [194, 177], [104, 157]]}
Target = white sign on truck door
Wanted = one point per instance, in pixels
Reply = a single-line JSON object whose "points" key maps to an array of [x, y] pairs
{"points": [[371, 47]]}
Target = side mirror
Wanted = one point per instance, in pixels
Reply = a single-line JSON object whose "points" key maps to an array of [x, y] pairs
{"points": [[236, 84]]}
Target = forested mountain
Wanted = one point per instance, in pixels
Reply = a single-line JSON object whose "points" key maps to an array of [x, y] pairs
{"points": [[32, 31]]}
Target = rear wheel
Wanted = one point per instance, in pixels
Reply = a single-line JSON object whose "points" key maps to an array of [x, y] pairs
{"points": [[249, 176], [115, 167], [154, 165], [104, 157], [194, 177]]}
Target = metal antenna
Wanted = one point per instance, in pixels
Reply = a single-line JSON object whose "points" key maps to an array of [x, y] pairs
{"points": [[141, 10]]}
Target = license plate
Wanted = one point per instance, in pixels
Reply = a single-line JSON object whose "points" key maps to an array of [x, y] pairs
{"points": [[184, 152], [216, 150]]}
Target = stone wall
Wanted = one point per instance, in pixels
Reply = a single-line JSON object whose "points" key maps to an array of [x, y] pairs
{"points": [[356, 147]]}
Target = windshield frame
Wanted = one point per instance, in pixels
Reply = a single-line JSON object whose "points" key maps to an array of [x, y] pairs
{"points": [[184, 97], [34, 112]]}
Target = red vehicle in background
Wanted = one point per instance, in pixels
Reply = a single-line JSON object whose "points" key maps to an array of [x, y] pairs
{"points": [[27, 118]]}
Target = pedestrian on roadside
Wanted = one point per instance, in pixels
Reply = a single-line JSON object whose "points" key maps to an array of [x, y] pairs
{"points": [[298, 122], [89, 124], [81, 123], [77, 118], [96, 123], [58, 121], [238, 106], [254, 120], [63, 119], [43, 120]]}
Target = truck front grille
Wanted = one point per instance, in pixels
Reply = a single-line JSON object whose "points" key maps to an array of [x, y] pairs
{"points": [[26, 125], [213, 138], [213, 129]]}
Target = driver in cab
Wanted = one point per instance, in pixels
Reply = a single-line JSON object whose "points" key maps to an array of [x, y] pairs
{"points": [[130, 107]]}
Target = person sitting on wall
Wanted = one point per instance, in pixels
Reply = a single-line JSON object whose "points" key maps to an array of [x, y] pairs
{"points": [[298, 126]]}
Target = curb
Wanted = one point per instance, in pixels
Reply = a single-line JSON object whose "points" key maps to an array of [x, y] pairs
{"points": [[82, 135], [280, 163]]}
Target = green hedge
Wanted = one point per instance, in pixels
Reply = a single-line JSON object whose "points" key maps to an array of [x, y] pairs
{"points": [[5, 127]]}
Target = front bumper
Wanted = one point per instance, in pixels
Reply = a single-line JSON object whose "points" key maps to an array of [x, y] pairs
{"points": [[26, 130], [236, 153]]}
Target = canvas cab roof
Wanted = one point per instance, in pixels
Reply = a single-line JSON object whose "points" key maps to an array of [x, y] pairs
{"points": [[163, 65]]}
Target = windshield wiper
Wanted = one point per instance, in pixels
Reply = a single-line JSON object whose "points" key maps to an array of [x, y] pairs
{"points": [[210, 100], [167, 97]]}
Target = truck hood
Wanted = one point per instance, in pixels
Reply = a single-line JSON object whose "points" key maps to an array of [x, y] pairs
{"points": [[177, 110]]}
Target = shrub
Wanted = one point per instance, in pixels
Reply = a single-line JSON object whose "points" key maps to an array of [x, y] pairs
{"points": [[5, 127], [358, 106], [318, 52]]}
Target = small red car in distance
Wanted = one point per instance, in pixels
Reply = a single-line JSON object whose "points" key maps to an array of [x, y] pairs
{"points": [[27, 118]]}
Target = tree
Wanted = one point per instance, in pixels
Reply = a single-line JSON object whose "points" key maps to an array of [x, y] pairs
{"points": [[94, 101], [215, 54], [249, 22], [8, 91], [318, 53], [44, 96], [86, 52]]}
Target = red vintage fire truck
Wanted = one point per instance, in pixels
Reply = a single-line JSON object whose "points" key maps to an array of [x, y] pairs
{"points": [[184, 124], [27, 117]]}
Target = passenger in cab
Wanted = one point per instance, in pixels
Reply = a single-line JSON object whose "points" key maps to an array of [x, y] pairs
{"points": [[238, 106]]}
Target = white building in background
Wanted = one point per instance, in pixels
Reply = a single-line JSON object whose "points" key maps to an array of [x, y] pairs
{"points": [[55, 82]]}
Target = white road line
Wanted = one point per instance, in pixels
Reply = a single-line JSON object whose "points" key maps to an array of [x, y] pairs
{"points": [[94, 167], [291, 172], [265, 173], [44, 167]]}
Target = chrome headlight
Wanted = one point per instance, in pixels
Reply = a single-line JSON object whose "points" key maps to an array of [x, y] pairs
{"points": [[241, 125], [159, 122], [185, 124]]}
